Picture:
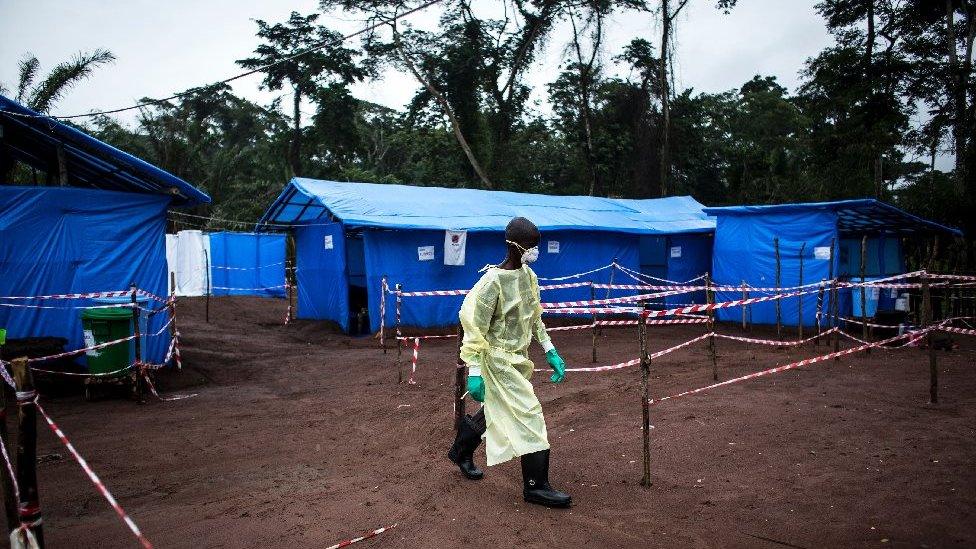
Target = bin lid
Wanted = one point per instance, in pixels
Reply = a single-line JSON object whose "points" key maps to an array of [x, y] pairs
{"points": [[110, 313]]}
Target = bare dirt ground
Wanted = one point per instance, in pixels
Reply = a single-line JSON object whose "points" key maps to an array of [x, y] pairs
{"points": [[301, 437]]}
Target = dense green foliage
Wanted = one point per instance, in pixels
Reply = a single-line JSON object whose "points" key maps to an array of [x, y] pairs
{"points": [[894, 91]]}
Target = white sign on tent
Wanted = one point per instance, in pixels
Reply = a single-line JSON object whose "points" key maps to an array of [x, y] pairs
{"points": [[455, 244]]}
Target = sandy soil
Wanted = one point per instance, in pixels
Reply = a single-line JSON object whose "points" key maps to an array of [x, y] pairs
{"points": [[301, 437]]}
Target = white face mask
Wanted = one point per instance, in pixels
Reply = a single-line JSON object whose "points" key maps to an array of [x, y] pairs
{"points": [[528, 256]]}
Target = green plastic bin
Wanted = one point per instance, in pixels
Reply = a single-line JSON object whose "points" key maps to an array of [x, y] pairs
{"points": [[103, 325]]}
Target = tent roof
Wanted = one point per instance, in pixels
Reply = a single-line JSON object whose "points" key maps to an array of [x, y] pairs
{"points": [[853, 216], [357, 205], [33, 139]]}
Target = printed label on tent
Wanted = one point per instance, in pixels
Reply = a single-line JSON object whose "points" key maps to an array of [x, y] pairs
{"points": [[553, 247], [675, 251], [455, 243], [821, 252], [425, 253], [328, 242], [893, 293], [90, 342]]}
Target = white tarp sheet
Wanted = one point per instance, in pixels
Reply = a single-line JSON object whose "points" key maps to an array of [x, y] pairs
{"points": [[188, 256]]}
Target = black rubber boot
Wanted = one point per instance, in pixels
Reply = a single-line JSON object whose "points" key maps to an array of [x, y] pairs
{"points": [[466, 442], [535, 482]]}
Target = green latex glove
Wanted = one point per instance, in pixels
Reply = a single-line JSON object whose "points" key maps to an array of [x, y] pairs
{"points": [[3, 336], [476, 386], [557, 363]]}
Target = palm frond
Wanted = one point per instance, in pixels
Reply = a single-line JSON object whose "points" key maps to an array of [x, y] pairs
{"points": [[27, 67], [64, 76]]}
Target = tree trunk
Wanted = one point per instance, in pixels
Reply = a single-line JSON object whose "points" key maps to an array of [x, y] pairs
{"points": [[665, 100], [959, 85], [442, 101], [872, 105], [295, 151]]}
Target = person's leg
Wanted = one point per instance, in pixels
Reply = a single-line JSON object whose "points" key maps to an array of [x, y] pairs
{"points": [[466, 442], [535, 482]]}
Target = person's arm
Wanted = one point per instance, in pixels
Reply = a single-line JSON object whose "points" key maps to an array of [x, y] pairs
{"points": [[476, 313]]}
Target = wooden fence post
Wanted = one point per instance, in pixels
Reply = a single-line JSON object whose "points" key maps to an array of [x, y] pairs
{"points": [[710, 299], [460, 382], [745, 296], [383, 286], [799, 298], [10, 502], [820, 310], [779, 317], [206, 265], [927, 316], [399, 335], [645, 363], [830, 294], [593, 298], [172, 321], [138, 369], [29, 507], [864, 291]]}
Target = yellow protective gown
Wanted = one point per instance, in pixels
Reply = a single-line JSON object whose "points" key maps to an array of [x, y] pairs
{"points": [[500, 315]]}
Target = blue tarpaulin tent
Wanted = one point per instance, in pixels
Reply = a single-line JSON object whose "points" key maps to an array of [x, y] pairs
{"points": [[349, 235], [247, 264], [99, 225], [744, 248]]}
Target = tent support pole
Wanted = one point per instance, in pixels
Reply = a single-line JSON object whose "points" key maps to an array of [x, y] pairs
{"points": [[779, 315], [138, 368], [645, 363], [799, 298]]}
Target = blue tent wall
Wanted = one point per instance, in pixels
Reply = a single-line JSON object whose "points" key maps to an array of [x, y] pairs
{"points": [[69, 240], [249, 261], [323, 285], [394, 253], [744, 251], [695, 260]]}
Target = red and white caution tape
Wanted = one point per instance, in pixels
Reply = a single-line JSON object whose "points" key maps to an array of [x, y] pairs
{"points": [[89, 295], [783, 368], [368, 535], [963, 331], [407, 338], [564, 286], [432, 293], [774, 341], [952, 276], [636, 361], [94, 478], [594, 311], [150, 295], [84, 350], [152, 389], [612, 300]]}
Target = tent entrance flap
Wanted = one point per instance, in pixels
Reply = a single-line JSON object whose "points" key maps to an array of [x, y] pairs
{"points": [[323, 282]]}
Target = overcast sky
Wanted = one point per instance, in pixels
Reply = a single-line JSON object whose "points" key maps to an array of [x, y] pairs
{"points": [[166, 47]]}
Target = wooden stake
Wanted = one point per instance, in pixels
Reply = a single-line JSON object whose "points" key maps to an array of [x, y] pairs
{"points": [[820, 312], [206, 264], [710, 298], [172, 317], [745, 295], [779, 316], [831, 295], [9, 497], [592, 298], [291, 294], [864, 291], [927, 316], [460, 382], [138, 370], [29, 507], [399, 335], [383, 287], [799, 298], [645, 399]]}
